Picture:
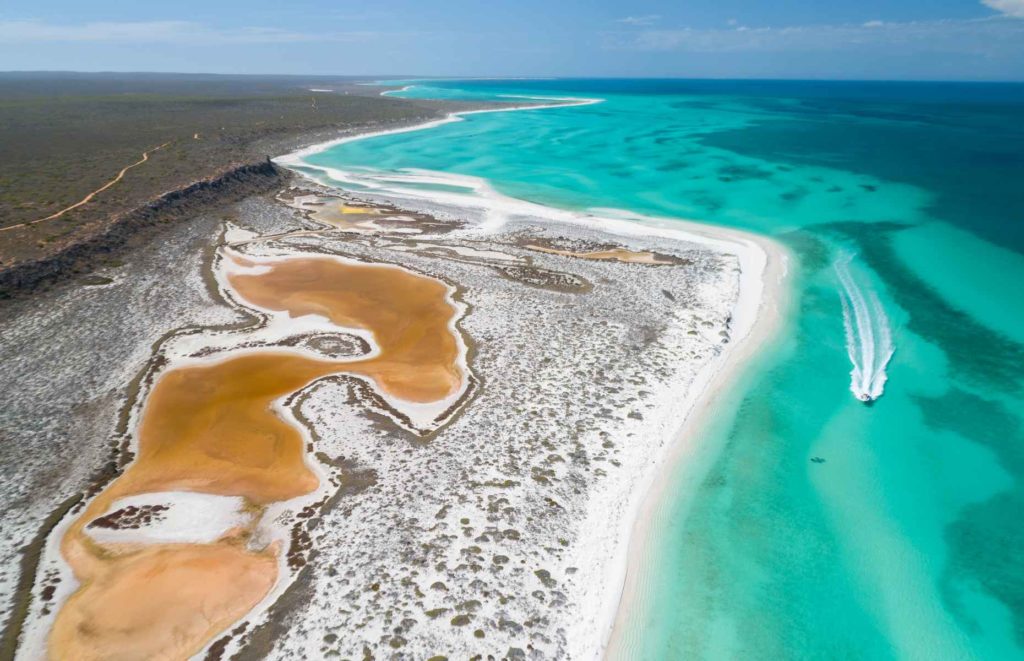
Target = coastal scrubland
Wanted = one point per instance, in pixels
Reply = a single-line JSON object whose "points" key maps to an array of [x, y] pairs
{"points": [[64, 136]]}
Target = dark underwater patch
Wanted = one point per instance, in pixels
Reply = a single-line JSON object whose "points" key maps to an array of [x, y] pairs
{"points": [[984, 544], [794, 195], [813, 251], [739, 172], [673, 166], [983, 421], [985, 540], [970, 159]]}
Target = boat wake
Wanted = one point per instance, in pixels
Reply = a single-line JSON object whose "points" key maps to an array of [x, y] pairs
{"points": [[868, 335]]}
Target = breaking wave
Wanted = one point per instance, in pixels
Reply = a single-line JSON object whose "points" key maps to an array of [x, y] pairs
{"points": [[868, 335]]}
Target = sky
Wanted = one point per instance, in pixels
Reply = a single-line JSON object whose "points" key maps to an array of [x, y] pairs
{"points": [[841, 39]]}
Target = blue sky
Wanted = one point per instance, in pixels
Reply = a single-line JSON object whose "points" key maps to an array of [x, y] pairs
{"points": [[888, 39]]}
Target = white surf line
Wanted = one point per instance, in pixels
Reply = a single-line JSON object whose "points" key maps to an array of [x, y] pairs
{"points": [[868, 335], [425, 81], [390, 92], [295, 158]]}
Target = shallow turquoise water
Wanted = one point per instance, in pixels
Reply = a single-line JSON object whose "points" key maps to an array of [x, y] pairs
{"points": [[905, 542]]}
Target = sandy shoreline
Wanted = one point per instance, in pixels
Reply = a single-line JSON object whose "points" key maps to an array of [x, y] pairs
{"points": [[768, 312], [295, 157], [756, 317]]}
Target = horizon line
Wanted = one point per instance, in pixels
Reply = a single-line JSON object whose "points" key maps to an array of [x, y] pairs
{"points": [[1010, 81]]}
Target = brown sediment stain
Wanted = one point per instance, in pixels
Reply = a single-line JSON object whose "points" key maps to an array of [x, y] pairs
{"points": [[409, 316], [617, 254], [350, 215], [162, 602], [211, 427], [350, 208], [347, 217], [340, 214]]}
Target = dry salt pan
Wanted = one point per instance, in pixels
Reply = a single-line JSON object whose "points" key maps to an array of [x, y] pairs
{"points": [[169, 517]]}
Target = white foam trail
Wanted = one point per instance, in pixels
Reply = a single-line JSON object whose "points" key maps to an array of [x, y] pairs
{"points": [[868, 335]]}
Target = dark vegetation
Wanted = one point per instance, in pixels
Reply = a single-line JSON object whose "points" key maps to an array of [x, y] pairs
{"points": [[64, 135]]}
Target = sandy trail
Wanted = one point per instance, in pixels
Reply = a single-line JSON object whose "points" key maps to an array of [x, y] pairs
{"points": [[87, 198]]}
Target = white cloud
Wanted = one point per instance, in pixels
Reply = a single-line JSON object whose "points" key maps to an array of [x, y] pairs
{"points": [[987, 36], [162, 32], [640, 21], [1014, 8]]}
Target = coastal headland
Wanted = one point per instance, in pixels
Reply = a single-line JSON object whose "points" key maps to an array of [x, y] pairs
{"points": [[91, 160], [321, 423]]}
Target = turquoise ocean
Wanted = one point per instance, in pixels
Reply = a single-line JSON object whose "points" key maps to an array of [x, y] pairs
{"points": [[811, 525]]}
